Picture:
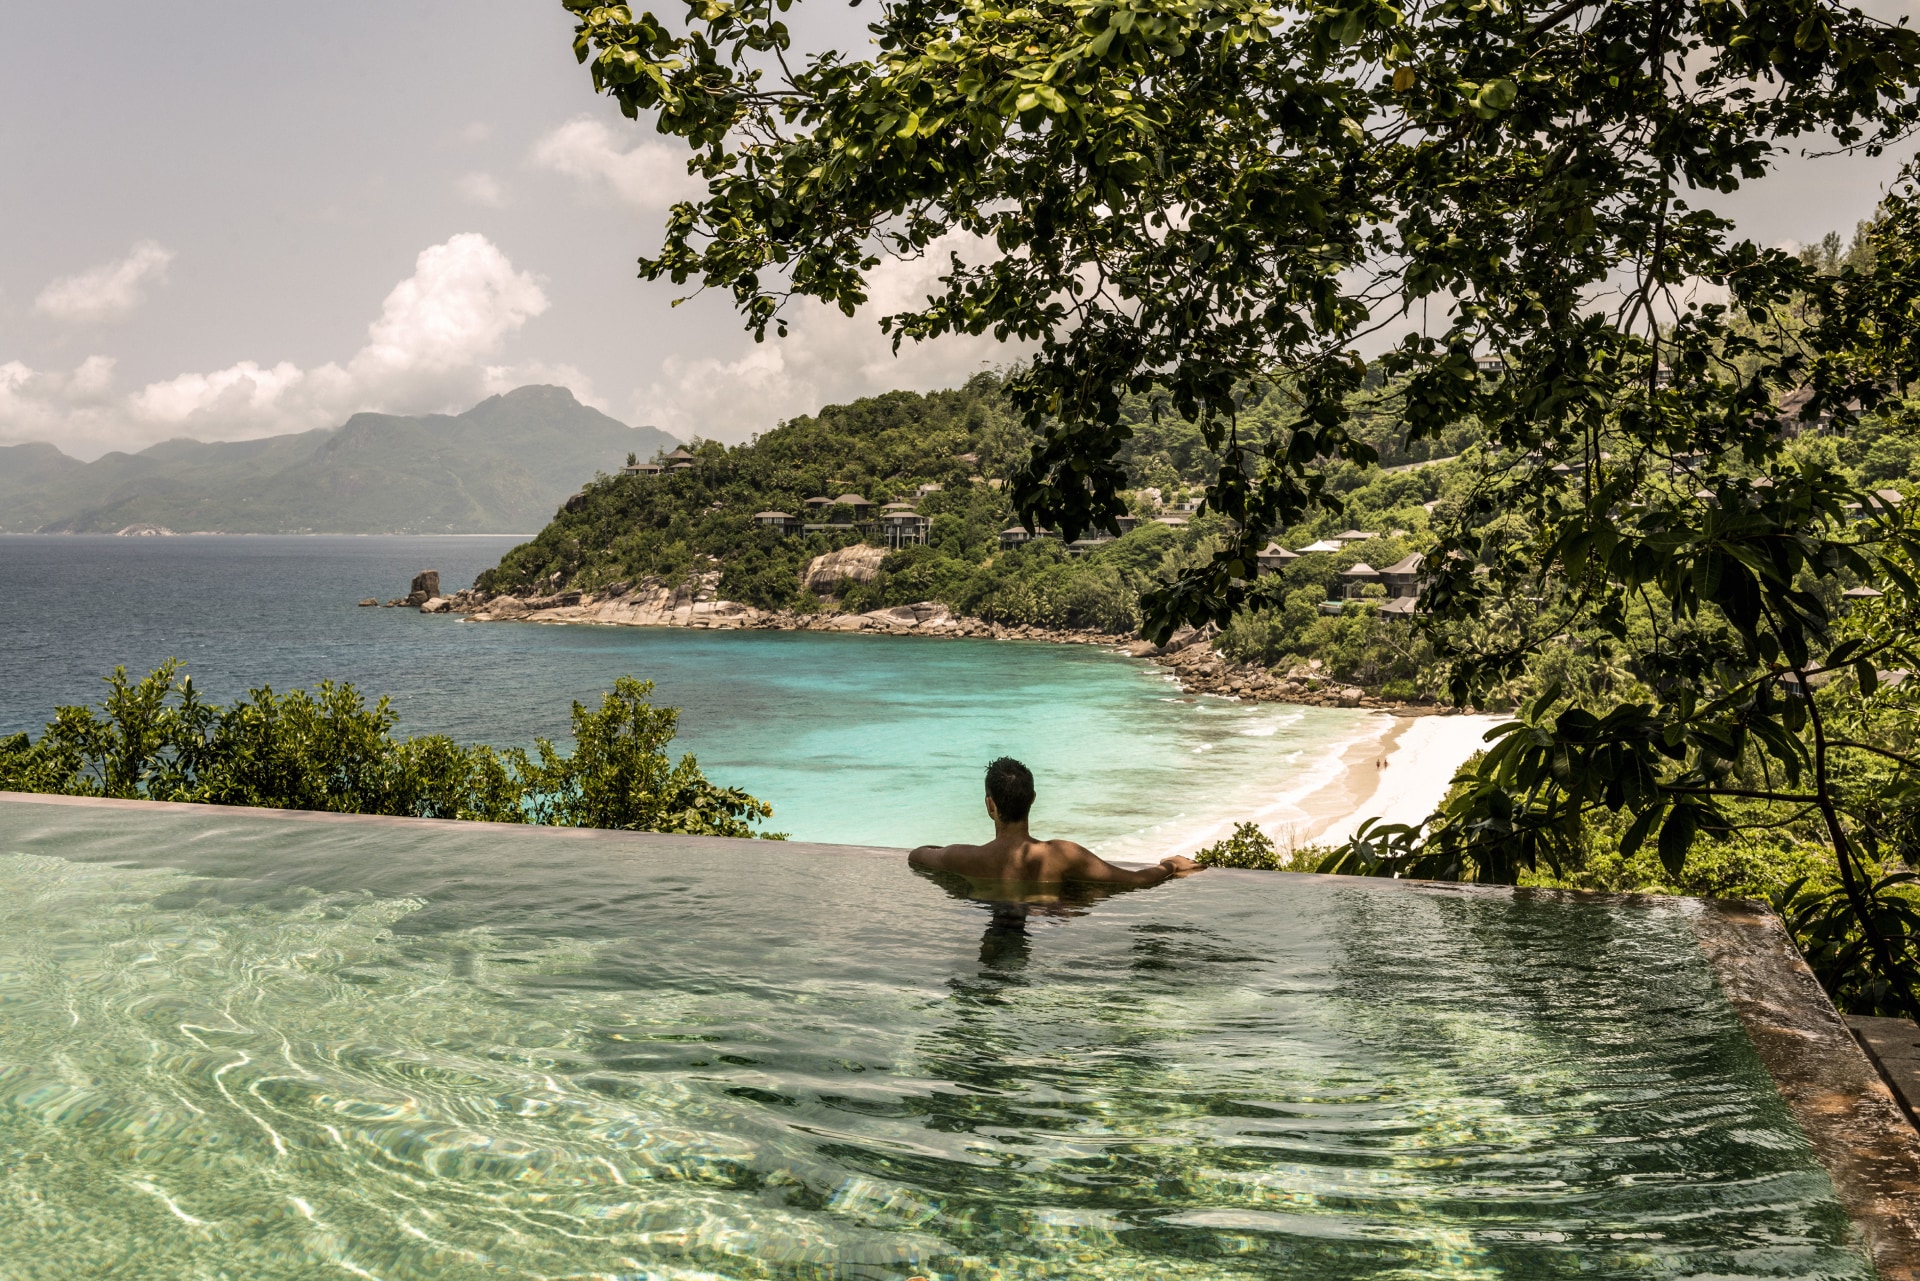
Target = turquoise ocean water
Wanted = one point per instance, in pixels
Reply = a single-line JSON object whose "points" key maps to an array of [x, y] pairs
{"points": [[859, 739]]}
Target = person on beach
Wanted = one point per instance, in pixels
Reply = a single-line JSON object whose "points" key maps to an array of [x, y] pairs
{"points": [[1013, 855]]}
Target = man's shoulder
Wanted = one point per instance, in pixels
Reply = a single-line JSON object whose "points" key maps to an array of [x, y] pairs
{"points": [[942, 856]]}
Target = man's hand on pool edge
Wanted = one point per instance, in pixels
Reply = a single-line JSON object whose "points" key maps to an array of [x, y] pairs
{"points": [[1180, 865]]}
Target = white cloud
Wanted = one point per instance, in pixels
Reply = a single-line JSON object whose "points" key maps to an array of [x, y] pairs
{"points": [[651, 175], [826, 358], [429, 350], [482, 189], [111, 291]]}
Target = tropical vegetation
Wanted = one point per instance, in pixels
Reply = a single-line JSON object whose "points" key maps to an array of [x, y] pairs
{"points": [[1216, 196], [325, 749]]}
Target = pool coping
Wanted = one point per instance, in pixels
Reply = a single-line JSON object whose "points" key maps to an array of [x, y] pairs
{"points": [[1855, 1125], [534, 831], [1857, 1128]]}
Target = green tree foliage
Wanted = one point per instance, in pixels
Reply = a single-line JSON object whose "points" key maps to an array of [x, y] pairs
{"points": [[325, 749], [1216, 196], [1247, 847]]}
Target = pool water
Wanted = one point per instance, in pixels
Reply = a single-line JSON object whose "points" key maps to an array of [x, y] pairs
{"points": [[238, 1045]]}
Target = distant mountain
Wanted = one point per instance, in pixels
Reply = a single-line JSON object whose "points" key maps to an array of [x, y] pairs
{"points": [[504, 466]]}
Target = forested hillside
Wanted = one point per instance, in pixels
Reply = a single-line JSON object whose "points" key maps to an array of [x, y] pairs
{"points": [[623, 528], [965, 441]]}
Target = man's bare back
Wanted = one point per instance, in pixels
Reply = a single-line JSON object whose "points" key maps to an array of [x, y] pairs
{"points": [[1013, 855]]}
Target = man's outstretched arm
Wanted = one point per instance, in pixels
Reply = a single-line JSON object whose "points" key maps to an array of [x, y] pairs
{"points": [[1085, 865]]}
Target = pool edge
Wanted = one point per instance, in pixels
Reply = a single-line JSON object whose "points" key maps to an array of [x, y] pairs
{"points": [[1856, 1127], [537, 831]]}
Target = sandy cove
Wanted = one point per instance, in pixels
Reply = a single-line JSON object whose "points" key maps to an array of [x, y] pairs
{"points": [[1397, 769], [1188, 654]]}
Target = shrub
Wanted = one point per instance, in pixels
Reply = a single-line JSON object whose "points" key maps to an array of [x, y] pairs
{"points": [[1247, 847], [325, 749]]}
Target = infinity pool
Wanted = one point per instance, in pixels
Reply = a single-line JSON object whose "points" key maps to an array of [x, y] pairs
{"points": [[244, 1046]]}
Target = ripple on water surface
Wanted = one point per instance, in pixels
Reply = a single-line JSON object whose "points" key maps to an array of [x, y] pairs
{"points": [[247, 1047]]}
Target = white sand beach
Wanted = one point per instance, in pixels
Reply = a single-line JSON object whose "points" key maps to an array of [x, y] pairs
{"points": [[1417, 771], [1397, 768]]}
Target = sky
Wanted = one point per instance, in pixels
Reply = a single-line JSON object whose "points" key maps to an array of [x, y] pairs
{"points": [[226, 220]]}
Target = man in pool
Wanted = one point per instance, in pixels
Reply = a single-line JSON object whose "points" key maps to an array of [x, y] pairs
{"points": [[1014, 856]]}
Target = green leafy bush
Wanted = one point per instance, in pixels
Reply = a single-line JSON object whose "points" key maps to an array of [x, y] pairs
{"points": [[1248, 847], [325, 749]]}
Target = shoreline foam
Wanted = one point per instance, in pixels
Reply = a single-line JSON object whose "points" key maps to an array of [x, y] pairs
{"points": [[1417, 773], [1397, 769]]}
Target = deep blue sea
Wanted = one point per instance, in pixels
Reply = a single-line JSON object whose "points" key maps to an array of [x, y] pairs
{"points": [[859, 739]]}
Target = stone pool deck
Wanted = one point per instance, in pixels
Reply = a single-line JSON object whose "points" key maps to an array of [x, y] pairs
{"points": [[1857, 1127], [1894, 1047]]}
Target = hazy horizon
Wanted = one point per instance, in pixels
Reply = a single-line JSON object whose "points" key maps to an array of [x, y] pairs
{"points": [[329, 428]]}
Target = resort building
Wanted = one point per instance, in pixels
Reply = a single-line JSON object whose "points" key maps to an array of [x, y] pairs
{"points": [[779, 522], [642, 469], [1402, 578], [679, 460], [1354, 535], [1884, 499], [819, 505], [1275, 558], [1324, 545], [1019, 535], [905, 528], [1081, 546], [1356, 578], [1353, 584]]}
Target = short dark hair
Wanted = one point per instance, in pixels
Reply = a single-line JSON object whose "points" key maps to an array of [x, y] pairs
{"points": [[1010, 784]]}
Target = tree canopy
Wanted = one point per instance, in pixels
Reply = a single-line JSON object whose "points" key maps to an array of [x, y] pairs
{"points": [[1191, 198]]}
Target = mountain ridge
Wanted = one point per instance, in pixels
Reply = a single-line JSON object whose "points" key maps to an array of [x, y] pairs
{"points": [[502, 466]]}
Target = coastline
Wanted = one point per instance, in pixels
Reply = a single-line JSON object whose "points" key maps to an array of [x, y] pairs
{"points": [[1415, 776], [1188, 654], [1397, 767], [1342, 779]]}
